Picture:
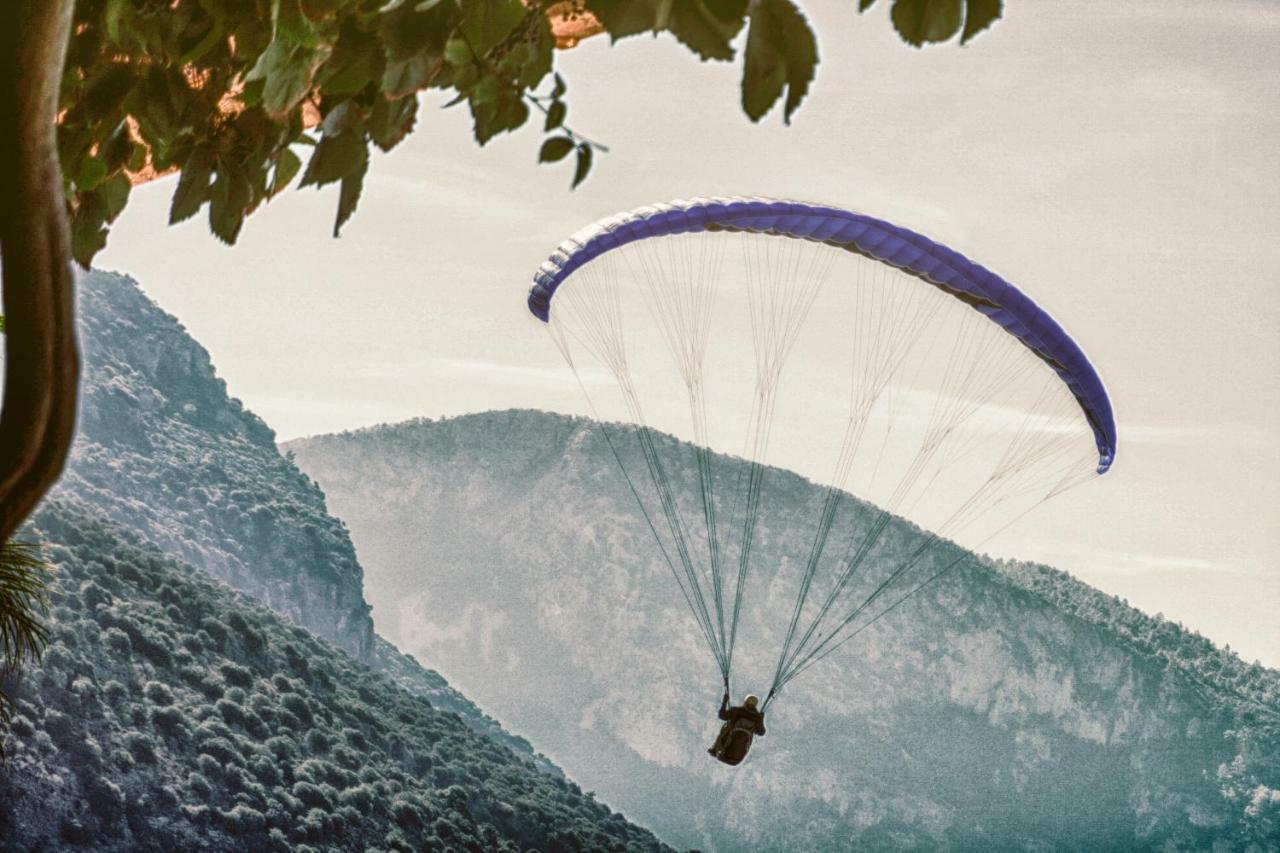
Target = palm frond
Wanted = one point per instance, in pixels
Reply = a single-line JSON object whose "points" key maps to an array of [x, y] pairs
{"points": [[23, 602]]}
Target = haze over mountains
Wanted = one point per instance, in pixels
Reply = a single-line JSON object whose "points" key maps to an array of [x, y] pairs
{"points": [[1009, 708], [163, 450], [173, 713], [1006, 707]]}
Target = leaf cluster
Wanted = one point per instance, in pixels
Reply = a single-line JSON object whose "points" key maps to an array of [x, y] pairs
{"points": [[921, 22], [237, 94]]}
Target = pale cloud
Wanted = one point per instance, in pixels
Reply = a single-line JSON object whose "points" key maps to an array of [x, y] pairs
{"points": [[302, 407], [451, 194], [1101, 561], [1248, 435], [557, 376]]}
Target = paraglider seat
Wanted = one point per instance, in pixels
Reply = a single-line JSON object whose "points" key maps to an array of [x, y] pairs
{"points": [[735, 747], [741, 725]]}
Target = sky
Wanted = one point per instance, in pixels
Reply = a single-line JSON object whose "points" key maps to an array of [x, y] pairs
{"points": [[1115, 163]]}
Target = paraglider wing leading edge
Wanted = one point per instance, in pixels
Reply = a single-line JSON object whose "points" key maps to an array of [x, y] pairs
{"points": [[898, 247]]}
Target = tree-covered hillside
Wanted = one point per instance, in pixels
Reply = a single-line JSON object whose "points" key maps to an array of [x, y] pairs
{"points": [[171, 713], [998, 709], [164, 451], [1250, 691]]}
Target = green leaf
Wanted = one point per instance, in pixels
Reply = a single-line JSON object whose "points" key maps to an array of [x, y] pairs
{"points": [[115, 195], [406, 76], [557, 91], [229, 198], [88, 234], [505, 111], [292, 25], [156, 106], [92, 172], [211, 37], [117, 11], [269, 61], [193, 185], [555, 148], [456, 52], [513, 111], [623, 18], [864, 5], [535, 58], [106, 91], [287, 166], [782, 53], [555, 115], [344, 116], [486, 91], [357, 60], [486, 23], [466, 77], [349, 194], [926, 21], [414, 43], [137, 158], [584, 165], [391, 121], [335, 157], [978, 16], [406, 32], [118, 148], [707, 27], [287, 72]]}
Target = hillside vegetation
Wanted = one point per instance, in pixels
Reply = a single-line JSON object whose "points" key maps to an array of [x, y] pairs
{"points": [[171, 713], [164, 451], [1005, 707]]}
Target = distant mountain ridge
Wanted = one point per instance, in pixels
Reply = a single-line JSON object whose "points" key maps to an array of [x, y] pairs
{"points": [[1008, 707]]}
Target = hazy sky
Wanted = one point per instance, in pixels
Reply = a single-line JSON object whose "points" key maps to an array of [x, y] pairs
{"points": [[1117, 161]]}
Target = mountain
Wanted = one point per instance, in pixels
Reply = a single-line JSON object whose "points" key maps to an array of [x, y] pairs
{"points": [[170, 713], [164, 451], [1005, 707]]}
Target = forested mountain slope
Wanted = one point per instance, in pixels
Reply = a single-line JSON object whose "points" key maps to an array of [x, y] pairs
{"points": [[171, 713], [163, 450], [1002, 708]]}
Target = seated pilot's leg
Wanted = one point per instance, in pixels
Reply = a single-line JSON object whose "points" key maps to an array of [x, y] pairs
{"points": [[721, 739]]}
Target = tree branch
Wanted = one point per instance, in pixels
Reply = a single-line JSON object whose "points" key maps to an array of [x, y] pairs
{"points": [[42, 365]]}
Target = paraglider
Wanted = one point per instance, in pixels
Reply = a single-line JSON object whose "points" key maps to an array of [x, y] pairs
{"points": [[720, 340], [742, 725]]}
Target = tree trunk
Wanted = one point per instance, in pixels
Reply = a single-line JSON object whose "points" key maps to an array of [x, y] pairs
{"points": [[42, 365]]}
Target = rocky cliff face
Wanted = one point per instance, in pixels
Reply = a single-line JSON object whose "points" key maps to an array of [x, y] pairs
{"points": [[984, 714], [164, 450]]}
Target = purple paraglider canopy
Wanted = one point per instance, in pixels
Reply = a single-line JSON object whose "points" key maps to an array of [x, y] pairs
{"points": [[891, 244]]}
